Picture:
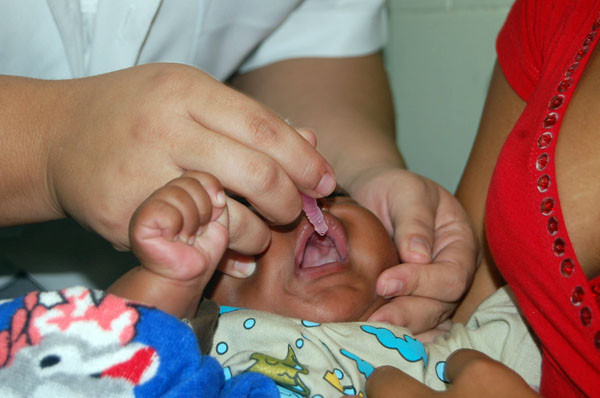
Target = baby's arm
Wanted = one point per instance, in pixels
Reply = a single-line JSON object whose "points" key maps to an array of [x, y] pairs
{"points": [[179, 234], [471, 374]]}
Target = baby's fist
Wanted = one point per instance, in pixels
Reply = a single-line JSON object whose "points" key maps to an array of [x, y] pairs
{"points": [[181, 230]]}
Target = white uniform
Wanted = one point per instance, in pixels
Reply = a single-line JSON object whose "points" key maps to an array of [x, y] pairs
{"points": [[58, 39]]}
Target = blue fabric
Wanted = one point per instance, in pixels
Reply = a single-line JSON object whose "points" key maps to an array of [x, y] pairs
{"points": [[120, 348], [182, 368], [250, 385], [7, 309]]}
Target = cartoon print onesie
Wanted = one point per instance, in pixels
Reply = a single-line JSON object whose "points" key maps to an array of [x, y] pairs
{"points": [[307, 359]]}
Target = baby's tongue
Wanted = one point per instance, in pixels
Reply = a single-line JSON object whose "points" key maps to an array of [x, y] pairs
{"points": [[319, 250]]}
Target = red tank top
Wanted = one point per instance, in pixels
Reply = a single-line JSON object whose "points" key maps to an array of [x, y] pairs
{"points": [[542, 49]]}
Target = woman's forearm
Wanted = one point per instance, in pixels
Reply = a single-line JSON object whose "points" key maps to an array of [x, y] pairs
{"points": [[347, 101]]}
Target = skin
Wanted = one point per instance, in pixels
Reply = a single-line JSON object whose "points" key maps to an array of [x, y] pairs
{"points": [[347, 295], [576, 163], [94, 148], [180, 234]]}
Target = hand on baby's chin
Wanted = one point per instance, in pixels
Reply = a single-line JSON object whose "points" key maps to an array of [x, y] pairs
{"points": [[434, 239]]}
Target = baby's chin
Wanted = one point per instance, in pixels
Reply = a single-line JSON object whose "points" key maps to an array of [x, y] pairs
{"points": [[339, 312]]}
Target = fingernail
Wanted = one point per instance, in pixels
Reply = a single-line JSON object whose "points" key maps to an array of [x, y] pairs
{"points": [[201, 229], [326, 185], [191, 240], [378, 318], [393, 287], [220, 199], [244, 268], [420, 246]]}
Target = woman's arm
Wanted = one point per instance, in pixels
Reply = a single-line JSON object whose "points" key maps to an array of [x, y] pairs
{"points": [[347, 101], [502, 109]]}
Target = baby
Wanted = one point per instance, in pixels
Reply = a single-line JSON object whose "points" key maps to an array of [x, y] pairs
{"points": [[302, 308]]}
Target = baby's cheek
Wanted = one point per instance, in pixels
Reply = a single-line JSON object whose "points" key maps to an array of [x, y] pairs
{"points": [[387, 254]]}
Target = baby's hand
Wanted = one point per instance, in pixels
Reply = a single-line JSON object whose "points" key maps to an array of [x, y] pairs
{"points": [[180, 232]]}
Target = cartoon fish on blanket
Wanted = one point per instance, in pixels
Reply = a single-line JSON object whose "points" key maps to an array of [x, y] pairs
{"points": [[72, 342]]}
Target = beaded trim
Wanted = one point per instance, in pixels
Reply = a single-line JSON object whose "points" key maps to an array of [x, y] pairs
{"points": [[555, 111]]}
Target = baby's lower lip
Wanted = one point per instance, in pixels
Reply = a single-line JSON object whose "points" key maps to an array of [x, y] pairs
{"points": [[322, 270]]}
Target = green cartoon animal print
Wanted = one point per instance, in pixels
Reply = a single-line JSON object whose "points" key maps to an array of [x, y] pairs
{"points": [[285, 372]]}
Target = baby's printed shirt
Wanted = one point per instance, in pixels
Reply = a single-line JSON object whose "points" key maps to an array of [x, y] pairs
{"points": [[307, 359]]}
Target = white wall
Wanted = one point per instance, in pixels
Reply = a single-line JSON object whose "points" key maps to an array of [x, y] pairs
{"points": [[440, 56]]}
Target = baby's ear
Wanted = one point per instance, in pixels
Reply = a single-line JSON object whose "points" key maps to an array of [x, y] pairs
{"points": [[237, 265]]}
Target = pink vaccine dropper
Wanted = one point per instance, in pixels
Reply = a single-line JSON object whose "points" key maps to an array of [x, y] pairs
{"points": [[314, 214]]}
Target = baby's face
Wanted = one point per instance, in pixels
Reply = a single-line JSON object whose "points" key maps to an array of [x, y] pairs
{"points": [[322, 279]]}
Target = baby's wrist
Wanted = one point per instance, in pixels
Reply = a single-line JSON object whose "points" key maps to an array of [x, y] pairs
{"points": [[178, 298]]}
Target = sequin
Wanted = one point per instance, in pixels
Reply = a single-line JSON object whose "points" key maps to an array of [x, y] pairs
{"points": [[597, 340], [581, 53], [565, 84], [552, 226], [547, 206], [589, 39], [541, 162], [567, 267], [596, 292], [577, 295], [558, 247], [596, 25], [586, 316], [550, 120], [556, 102], [543, 183], [544, 140], [572, 69]]}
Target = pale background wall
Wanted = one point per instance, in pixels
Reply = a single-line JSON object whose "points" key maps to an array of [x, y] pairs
{"points": [[440, 57]]}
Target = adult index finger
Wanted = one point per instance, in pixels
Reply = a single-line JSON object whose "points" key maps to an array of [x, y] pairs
{"points": [[240, 169], [231, 113]]}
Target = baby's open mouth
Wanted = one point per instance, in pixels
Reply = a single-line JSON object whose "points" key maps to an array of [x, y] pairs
{"points": [[319, 250], [314, 250]]}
